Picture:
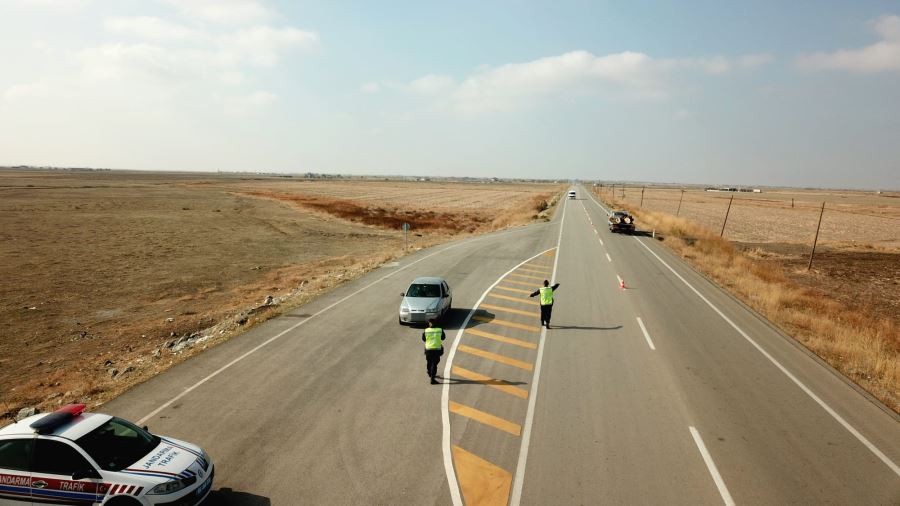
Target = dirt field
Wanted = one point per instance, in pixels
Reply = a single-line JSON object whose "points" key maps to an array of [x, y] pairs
{"points": [[850, 218], [110, 277], [846, 308]]}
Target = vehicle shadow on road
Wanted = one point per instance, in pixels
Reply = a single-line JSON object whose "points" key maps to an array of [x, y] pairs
{"points": [[227, 496], [455, 318], [576, 327], [492, 381]]}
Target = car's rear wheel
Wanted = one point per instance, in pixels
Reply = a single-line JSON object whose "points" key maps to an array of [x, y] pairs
{"points": [[122, 501]]}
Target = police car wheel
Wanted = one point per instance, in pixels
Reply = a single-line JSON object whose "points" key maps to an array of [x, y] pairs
{"points": [[122, 501]]}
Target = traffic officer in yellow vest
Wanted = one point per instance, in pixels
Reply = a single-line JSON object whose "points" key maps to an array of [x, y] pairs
{"points": [[434, 347], [546, 293]]}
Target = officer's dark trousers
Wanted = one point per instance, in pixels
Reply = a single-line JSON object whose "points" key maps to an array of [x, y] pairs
{"points": [[432, 359], [545, 314]]}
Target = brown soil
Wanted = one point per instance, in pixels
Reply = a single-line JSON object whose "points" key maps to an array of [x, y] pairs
{"points": [[104, 272]]}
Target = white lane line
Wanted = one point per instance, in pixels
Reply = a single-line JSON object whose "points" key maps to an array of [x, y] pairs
{"points": [[646, 334], [301, 322], [720, 483], [852, 430], [608, 257], [620, 279], [601, 240], [519, 479]]}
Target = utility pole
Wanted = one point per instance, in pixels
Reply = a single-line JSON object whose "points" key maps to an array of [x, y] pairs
{"points": [[642, 197], [722, 233], [677, 211], [816, 239]]}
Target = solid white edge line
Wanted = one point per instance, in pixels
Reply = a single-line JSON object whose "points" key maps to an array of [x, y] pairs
{"points": [[852, 430], [292, 327], [646, 334], [720, 483], [608, 257], [519, 479], [445, 394]]}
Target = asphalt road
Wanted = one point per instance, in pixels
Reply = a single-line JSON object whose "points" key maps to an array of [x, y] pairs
{"points": [[666, 392]]}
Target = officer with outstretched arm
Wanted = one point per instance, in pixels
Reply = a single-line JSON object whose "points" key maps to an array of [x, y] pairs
{"points": [[546, 293]]}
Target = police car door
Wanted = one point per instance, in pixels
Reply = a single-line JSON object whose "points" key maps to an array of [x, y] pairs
{"points": [[15, 479], [52, 468]]}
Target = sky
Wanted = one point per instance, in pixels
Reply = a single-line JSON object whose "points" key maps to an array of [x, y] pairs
{"points": [[768, 93]]}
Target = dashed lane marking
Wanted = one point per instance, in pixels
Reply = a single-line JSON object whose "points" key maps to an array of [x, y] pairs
{"points": [[501, 385], [486, 418], [511, 289], [505, 323], [502, 339], [713, 471], [526, 276], [646, 334], [514, 299], [482, 483], [495, 357], [508, 310], [608, 257]]}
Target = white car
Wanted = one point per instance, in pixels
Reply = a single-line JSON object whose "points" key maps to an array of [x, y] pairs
{"points": [[426, 299], [72, 457], [572, 194]]}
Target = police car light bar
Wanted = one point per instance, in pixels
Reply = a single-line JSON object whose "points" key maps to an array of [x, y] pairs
{"points": [[55, 420]]}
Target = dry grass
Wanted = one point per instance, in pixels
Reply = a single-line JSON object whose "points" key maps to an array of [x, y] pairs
{"points": [[865, 349]]}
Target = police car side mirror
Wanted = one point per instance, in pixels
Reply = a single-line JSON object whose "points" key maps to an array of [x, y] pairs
{"points": [[86, 473], [402, 294]]}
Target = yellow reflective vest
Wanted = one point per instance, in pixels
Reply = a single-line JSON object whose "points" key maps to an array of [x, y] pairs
{"points": [[546, 296], [433, 338]]}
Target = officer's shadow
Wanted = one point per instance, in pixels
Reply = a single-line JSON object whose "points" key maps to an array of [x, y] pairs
{"points": [[488, 382]]}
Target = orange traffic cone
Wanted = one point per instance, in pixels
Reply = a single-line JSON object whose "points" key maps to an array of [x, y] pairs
{"points": [[621, 283]]}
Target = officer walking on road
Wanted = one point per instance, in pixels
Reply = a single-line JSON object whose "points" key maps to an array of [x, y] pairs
{"points": [[434, 348], [546, 293]]}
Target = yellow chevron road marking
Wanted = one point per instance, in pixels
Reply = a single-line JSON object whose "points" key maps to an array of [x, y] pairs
{"points": [[491, 382], [486, 418], [482, 483], [502, 339], [495, 357]]}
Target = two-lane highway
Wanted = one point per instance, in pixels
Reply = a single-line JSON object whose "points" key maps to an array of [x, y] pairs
{"points": [[666, 392]]}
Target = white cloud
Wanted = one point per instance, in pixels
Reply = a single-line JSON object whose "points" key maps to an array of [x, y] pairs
{"points": [[881, 56], [628, 74], [431, 84], [229, 12], [370, 88], [55, 4], [152, 28], [249, 103], [263, 45]]}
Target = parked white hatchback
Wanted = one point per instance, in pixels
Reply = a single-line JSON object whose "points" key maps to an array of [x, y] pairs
{"points": [[72, 457]]}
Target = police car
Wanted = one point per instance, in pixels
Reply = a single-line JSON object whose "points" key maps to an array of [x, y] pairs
{"points": [[72, 457]]}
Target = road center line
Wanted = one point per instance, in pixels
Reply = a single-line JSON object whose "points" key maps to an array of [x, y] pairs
{"points": [[646, 334], [720, 483], [519, 479], [608, 257], [447, 448]]}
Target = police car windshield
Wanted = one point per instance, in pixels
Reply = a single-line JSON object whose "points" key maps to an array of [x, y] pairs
{"points": [[424, 291], [117, 444]]}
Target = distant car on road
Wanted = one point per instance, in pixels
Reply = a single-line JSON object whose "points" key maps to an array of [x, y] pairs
{"points": [[72, 457], [621, 221], [572, 194], [426, 299]]}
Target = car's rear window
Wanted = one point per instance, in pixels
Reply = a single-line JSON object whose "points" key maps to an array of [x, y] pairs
{"points": [[422, 290]]}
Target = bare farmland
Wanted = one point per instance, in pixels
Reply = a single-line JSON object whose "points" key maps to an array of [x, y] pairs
{"points": [[110, 277]]}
